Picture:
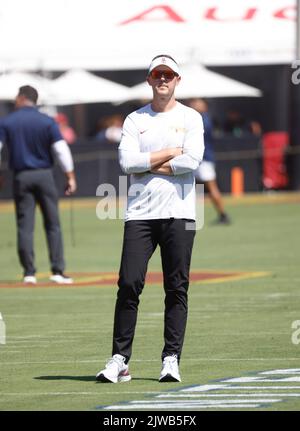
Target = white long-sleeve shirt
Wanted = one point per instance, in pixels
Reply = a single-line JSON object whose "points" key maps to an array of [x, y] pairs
{"points": [[156, 196], [62, 154]]}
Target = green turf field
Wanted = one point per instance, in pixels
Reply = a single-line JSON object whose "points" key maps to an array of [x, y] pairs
{"points": [[59, 337]]}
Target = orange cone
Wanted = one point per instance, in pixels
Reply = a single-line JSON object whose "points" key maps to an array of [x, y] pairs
{"points": [[237, 181]]}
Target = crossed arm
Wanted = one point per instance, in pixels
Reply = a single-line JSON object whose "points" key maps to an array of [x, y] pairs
{"points": [[135, 162], [169, 161], [159, 160]]}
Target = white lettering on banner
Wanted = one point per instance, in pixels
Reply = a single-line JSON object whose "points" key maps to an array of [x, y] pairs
{"points": [[225, 394]]}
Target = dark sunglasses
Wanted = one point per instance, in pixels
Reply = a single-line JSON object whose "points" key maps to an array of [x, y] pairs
{"points": [[168, 74]]}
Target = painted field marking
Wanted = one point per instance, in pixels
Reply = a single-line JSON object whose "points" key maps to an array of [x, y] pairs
{"points": [[194, 404], [160, 395], [260, 379], [186, 406], [35, 343], [35, 394], [284, 371], [254, 394], [181, 403], [237, 277], [201, 396], [75, 335], [31, 336], [207, 388], [101, 279], [86, 361]]}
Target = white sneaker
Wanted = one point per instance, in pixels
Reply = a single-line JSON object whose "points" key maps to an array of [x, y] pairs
{"points": [[29, 279], [115, 371], [170, 370], [61, 279]]}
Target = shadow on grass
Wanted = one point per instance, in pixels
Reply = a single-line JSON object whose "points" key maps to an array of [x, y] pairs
{"points": [[86, 378], [77, 378]]}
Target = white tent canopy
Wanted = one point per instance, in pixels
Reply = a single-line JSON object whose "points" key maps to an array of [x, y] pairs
{"points": [[98, 35], [80, 86], [10, 83], [197, 81], [75, 86]]}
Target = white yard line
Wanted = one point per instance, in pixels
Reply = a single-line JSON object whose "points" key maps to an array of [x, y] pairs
{"points": [[209, 388], [199, 402], [254, 394], [74, 361], [37, 394], [158, 394], [142, 324], [189, 406], [261, 380]]}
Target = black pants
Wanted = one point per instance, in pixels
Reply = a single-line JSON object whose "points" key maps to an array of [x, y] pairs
{"points": [[31, 187], [140, 241]]}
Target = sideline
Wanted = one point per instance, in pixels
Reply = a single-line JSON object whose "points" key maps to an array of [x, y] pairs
{"points": [[7, 206]]}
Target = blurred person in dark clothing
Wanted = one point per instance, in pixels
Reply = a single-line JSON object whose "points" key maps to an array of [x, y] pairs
{"points": [[33, 140], [110, 129], [206, 172], [238, 126]]}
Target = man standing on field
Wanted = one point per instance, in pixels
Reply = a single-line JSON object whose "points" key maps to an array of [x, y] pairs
{"points": [[33, 141], [161, 146]]}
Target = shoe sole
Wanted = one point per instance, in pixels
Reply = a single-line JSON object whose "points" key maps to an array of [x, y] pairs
{"points": [[124, 379], [61, 282], [168, 378], [121, 379], [32, 281]]}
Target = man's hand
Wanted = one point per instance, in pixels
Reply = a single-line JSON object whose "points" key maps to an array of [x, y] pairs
{"points": [[164, 169], [176, 152], [71, 185], [157, 158]]}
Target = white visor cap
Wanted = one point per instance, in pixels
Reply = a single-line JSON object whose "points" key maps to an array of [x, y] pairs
{"points": [[164, 61]]}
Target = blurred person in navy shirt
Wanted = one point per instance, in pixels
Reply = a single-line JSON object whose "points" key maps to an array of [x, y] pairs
{"points": [[34, 141]]}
